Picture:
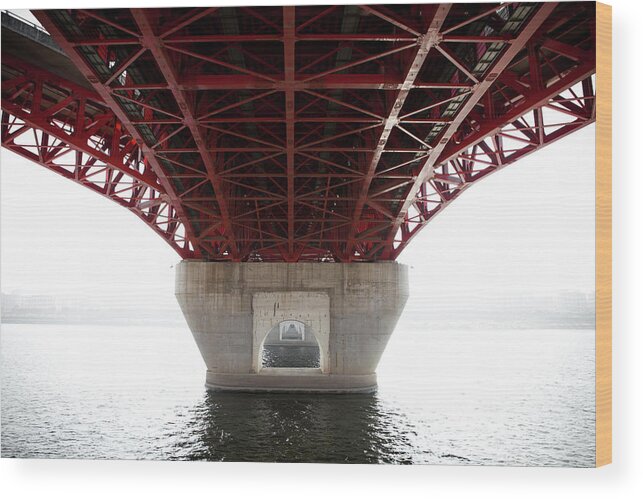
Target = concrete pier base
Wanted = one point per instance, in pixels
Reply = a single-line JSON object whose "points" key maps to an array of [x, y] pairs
{"points": [[291, 380], [350, 308]]}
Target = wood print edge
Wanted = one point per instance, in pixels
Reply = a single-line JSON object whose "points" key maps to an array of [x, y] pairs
{"points": [[603, 234]]}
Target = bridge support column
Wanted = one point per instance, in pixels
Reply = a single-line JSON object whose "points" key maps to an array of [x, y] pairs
{"points": [[352, 308]]}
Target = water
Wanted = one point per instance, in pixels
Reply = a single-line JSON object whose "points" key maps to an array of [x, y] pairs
{"points": [[450, 397], [290, 356]]}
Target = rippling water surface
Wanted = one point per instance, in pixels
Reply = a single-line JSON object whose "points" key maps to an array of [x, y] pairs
{"points": [[520, 397]]}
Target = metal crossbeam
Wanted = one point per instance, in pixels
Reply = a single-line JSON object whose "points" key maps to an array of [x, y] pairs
{"points": [[150, 41], [104, 92], [430, 39], [515, 46], [69, 130], [297, 133]]}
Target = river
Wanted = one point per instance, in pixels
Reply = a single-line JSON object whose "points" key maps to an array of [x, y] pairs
{"points": [[521, 397]]}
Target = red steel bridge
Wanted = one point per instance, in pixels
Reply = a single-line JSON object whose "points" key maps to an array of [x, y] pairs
{"points": [[306, 133]]}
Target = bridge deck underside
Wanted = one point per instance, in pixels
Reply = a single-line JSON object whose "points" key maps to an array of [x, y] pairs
{"points": [[330, 133]]}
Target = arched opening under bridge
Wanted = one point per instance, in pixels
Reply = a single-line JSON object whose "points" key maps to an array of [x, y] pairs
{"points": [[290, 344]]}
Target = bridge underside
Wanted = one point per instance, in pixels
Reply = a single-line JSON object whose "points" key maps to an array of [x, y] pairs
{"points": [[309, 133]]}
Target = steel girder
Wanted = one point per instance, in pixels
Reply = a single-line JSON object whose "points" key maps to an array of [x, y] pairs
{"points": [[333, 133], [70, 131], [494, 145]]}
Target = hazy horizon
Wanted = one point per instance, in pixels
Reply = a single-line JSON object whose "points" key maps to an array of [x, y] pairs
{"points": [[528, 229]]}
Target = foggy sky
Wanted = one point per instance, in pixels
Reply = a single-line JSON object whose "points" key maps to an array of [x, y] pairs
{"points": [[526, 229]]}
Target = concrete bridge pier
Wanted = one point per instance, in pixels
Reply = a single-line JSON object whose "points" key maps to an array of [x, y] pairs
{"points": [[351, 308]]}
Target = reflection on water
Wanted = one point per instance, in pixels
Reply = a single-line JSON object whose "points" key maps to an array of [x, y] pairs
{"points": [[302, 428], [290, 356], [445, 397]]}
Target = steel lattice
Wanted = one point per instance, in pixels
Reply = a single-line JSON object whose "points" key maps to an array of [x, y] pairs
{"points": [[300, 133]]}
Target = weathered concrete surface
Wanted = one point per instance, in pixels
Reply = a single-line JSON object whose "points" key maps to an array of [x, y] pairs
{"points": [[352, 309]]}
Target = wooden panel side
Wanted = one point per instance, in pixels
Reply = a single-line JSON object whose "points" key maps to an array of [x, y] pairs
{"points": [[603, 234]]}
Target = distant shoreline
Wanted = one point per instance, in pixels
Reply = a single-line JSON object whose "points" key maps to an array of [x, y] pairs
{"points": [[401, 326], [89, 323]]}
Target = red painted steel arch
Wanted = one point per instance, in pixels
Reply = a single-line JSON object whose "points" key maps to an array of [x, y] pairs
{"points": [[300, 133]]}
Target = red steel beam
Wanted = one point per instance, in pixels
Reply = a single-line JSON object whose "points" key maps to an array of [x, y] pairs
{"points": [[75, 133], [139, 198], [536, 138], [480, 89], [289, 79], [294, 183], [152, 43], [425, 42], [105, 93], [47, 120], [343, 81], [534, 101]]}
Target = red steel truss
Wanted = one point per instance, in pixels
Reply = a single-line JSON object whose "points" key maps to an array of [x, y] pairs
{"points": [[69, 130], [330, 133]]}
